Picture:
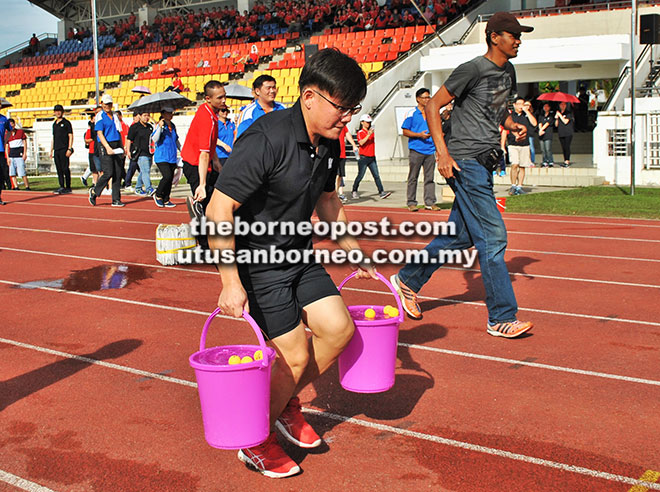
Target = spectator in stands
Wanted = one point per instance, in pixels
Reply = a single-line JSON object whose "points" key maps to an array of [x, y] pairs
{"points": [[226, 132], [546, 125], [166, 143], [518, 148], [176, 85], [61, 149], [34, 44], [265, 91], [367, 145], [16, 150], [256, 184], [200, 162], [564, 122], [108, 130], [421, 153], [466, 162], [137, 146]]}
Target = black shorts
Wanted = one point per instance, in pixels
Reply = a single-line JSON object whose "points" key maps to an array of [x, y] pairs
{"points": [[277, 297], [341, 168]]}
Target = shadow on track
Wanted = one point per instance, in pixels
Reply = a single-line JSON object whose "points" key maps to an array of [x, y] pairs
{"points": [[19, 387]]}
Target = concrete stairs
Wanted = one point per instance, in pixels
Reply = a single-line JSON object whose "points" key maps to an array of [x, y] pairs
{"points": [[581, 173]]}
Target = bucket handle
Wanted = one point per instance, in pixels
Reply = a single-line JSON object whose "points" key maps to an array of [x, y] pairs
{"points": [[387, 283], [252, 323]]}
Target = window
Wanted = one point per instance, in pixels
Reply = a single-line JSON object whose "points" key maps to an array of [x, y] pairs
{"points": [[617, 143]]}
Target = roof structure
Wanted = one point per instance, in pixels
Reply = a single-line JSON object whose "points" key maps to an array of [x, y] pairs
{"points": [[80, 11]]}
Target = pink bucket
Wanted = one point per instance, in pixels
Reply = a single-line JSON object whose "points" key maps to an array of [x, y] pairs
{"points": [[235, 399], [367, 364]]}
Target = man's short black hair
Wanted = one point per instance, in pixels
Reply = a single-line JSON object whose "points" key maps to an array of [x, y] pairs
{"points": [[338, 74], [11, 120], [421, 91], [519, 98], [259, 81], [210, 86]]}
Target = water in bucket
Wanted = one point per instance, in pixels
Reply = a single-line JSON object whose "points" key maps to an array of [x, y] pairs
{"points": [[234, 398], [367, 363]]}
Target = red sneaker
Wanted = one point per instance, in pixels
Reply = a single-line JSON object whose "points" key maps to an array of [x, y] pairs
{"points": [[295, 428], [269, 459]]}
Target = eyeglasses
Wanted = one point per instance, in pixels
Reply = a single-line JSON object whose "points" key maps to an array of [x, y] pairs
{"points": [[343, 110]]}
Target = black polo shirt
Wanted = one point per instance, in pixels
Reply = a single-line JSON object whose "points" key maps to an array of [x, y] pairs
{"points": [[550, 120], [523, 120], [276, 174], [61, 130], [140, 135]]}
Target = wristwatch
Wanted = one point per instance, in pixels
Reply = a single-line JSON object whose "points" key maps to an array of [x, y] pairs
{"points": [[71, 149]]}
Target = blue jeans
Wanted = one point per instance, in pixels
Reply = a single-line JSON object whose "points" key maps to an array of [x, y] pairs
{"points": [[532, 152], [546, 147], [364, 163], [144, 164], [479, 224]]}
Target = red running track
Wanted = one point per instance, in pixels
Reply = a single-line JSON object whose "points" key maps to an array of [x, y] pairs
{"points": [[96, 392]]}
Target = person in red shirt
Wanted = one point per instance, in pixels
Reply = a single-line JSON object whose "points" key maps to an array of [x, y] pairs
{"points": [[341, 168], [200, 162], [367, 144]]}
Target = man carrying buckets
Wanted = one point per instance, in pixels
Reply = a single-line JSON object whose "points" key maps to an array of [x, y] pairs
{"points": [[282, 169]]}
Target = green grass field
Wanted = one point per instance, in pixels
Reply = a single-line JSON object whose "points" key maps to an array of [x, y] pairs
{"points": [[602, 201]]}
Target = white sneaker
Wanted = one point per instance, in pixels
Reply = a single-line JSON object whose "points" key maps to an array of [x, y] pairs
{"points": [[106, 192]]}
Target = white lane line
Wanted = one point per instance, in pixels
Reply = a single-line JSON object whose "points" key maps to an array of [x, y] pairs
{"points": [[531, 310], [491, 358], [453, 301], [22, 483], [78, 234], [484, 449], [370, 425], [577, 236], [514, 274], [88, 207], [568, 219], [87, 219], [110, 365], [420, 347]]}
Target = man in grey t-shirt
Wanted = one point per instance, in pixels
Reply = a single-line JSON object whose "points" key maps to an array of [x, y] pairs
{"points": [[480, 89]]}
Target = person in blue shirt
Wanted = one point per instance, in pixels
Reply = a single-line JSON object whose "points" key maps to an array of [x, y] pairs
{"points": [[421, 150], [108, 128], [4, 169], [226, 130], [265, 91], [166, 143]]}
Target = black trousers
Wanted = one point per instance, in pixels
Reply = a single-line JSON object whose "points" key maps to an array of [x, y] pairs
{"points": [[112, 167], [192, 175], [4, 172], [62, 166], [165, 186], [566, 146], [132, 167]]}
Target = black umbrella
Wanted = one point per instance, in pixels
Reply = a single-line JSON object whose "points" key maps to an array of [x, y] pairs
{"points": [[155, 103], [237, 91]]}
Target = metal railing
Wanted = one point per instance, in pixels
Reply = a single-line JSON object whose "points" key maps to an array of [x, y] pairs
{"points": [[625, 73], [25, 44]]}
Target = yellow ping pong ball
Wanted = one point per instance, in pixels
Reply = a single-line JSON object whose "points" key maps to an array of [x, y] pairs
{"points": [[370, 313], [258, 355], [234, 359], [387, 309], [394, 312], [246, 359]]}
